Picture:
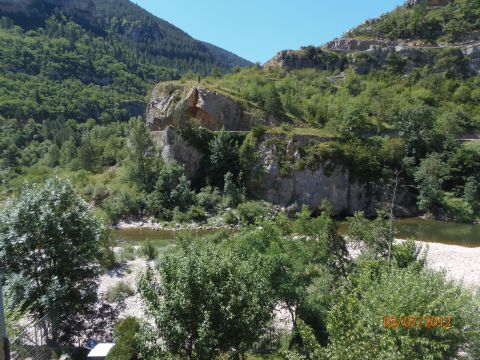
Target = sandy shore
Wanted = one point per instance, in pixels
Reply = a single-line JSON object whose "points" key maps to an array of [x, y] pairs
{"points": [[461, 264]]}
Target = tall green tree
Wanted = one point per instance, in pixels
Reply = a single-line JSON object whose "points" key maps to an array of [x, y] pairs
{"points": [[172, 190], [209, 301], [141, 158], [430, 176], [49, 254]]}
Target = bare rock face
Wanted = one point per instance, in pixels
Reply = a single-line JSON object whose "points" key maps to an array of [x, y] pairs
{"points": [[332, 182], [175, 105], [473, 53], [349, 45], [173, 147]]}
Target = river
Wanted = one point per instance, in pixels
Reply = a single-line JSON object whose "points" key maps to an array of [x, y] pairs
{"points": [[410, 228]]}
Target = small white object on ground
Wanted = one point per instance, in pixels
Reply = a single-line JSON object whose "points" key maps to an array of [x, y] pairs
{"points": [[100, 350]]}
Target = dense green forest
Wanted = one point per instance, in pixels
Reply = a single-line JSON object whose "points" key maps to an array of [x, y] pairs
{"points": [[454, 22]]}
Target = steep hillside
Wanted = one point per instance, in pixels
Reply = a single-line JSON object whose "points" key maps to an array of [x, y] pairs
{"points": [[121, 21], [419, 33], [341, 121]]}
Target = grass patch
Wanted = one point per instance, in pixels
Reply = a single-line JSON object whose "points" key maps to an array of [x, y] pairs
{"points": [[149, 250], [119, 292], [300, 131]]}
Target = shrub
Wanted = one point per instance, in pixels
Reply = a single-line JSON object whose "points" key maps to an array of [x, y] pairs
{"points": [[127, 346], [376, 293], [251, 212], [209, 198], [119, 292], [127, 254], [149, 250], [172, 190], [458, 209], [196, 213], [230, 218], [124, 204]]}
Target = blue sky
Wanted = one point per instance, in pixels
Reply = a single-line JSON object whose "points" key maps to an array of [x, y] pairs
{"points": [[258, 29]]}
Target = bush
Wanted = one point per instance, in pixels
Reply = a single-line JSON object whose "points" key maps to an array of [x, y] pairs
{"points": [[251, 212], [149, 250], [126, 254], [458, 209], [230, 218], [210, 300], [172, 190], [124, 204], [197, 214], [209, 198], [119, 292], [127, 342], [379, 292]]}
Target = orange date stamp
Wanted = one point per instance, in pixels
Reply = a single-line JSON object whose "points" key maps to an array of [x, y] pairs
{"points": [[419, 322]]}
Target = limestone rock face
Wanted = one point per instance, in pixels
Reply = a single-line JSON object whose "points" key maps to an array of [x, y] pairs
{"points": [[332, 182], [473, 53], [175, 105], [346, 44], [173, 147]]}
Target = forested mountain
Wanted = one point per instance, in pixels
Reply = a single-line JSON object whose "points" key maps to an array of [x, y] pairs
{"points": [[63, 62], [128, 25]]}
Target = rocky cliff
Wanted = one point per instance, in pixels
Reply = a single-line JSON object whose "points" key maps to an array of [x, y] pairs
{"points": [[325, 181], [172, 146], [365, 55], [296, 186], [178, 105]]}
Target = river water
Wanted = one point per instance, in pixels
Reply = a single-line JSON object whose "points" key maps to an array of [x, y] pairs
{"points": [[410, 228]]}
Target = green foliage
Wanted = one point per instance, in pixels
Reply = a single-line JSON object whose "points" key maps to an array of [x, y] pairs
{"points": [[408, 253], [355, 322], [230, 191], [430, 175], [141, 158], [414, 124], [452, 22], [149, 250], [457, 209], [127, 338], [472, 193], [49, 243], [374, 234], [124, 204], [209, 198], [251, 212], [223, 150], [209, 301], [172, 190], [119, 292]]}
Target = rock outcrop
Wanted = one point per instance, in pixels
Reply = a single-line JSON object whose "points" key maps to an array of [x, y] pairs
{"points": [[364, 55], [172, 146], [297, 186], [176, 105], [328, 181]]}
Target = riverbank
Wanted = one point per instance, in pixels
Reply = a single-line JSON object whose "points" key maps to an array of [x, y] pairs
{"points": [[461, 264], [151, 225]]}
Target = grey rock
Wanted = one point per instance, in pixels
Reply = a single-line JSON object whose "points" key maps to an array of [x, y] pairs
{"points": [[312, 186], [173, 147], [177, 105]]}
